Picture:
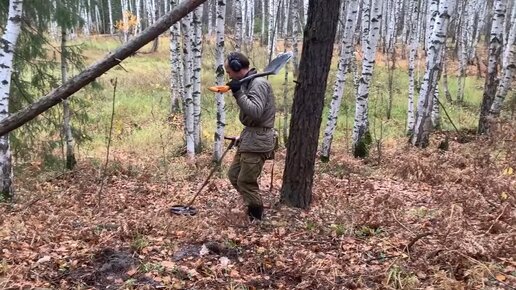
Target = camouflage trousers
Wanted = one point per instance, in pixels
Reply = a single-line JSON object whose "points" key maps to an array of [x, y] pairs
{"points": [[243, 175]]}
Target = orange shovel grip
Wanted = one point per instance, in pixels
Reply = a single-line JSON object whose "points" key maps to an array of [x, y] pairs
{"points": [[219, 89]]}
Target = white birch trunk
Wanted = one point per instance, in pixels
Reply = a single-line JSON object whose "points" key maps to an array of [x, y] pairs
{"points": [[150, 12], [346, 51], [219, 59], [262, 28], [67, 127], [209, 7], [250, 16], [177, 68], [509, 67], [465, 43], [187, 31], [111, 24], [86, 18], [7, 48], [295, 39], [436, 115], [139, 17], [98, 21], [413, 47], [361, 123], [286, 15], [495, 49], [433, 11], [196, 76], [480, 11], [245, 23], [423, 124], [238, 24], [125, 20], [271, 43], [305, 10]]}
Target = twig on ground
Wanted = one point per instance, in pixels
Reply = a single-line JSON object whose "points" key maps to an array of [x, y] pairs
{"points": [[415, 239], [402, 225], [497, 218]]}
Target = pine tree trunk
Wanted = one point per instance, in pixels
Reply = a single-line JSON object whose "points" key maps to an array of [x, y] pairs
{"points": [[7, 47], [219, 55], [196, 76], [361, 136], [67, 127], [423, 125], [509, 67], [346, 51], [319, 35], [495, 49]]}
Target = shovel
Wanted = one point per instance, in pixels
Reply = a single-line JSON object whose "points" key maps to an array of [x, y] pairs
{"points": [[188, 209], [271, 69]]}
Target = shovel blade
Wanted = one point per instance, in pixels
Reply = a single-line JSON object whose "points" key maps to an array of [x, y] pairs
{"points": [[279, 62]]}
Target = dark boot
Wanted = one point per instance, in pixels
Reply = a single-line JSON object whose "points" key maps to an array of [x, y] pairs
{"points": [[255, 212]]}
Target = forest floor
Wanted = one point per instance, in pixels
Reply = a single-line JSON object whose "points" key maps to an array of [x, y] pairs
{"points": [[412, 219]]}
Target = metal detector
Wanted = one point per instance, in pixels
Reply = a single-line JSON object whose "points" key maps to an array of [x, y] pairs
{"points": [[188, 209]]}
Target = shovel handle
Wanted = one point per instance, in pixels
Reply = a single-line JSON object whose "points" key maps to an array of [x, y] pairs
{"points": [[219, 89]]}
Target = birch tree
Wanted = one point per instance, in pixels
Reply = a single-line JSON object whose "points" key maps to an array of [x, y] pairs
{"points": [[413, 47], [346, 51], [371, 31], [196, 76], [67, 127], [111, 23], [67, 17], [186, 29], [238, 24], [271, 35], [509, 67], [295, 33], [465, 42], [219, 59], [495, 49], [177, 67], [436, 115], [423, 125], [7, 49]]}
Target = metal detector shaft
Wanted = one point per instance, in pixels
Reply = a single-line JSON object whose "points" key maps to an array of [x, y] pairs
{"points": [[231, 144]]}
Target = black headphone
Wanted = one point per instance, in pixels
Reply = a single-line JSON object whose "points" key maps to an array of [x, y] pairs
{"points": [[234, 62]]}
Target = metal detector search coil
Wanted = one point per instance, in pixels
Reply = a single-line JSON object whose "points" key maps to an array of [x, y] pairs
{"points": [[189, 210]]}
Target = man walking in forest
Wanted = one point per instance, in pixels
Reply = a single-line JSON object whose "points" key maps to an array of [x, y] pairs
{"points": [[257, 141]]}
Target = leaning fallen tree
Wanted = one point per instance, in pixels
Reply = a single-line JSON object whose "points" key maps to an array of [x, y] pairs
{"points": [[97, 69]]}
